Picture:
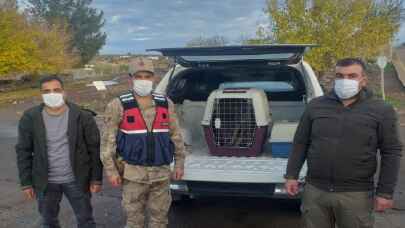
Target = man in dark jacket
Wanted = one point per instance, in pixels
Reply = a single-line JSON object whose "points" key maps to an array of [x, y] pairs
{"points": [[339, 136], [58, 153]]}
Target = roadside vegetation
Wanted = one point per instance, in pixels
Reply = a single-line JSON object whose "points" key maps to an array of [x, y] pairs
{"points": [[57, 36], [49, 37], [31, 47], [83, 22], [342, 28]]}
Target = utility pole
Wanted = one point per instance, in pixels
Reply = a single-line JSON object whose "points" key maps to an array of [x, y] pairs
{"points": [[382, 62]]}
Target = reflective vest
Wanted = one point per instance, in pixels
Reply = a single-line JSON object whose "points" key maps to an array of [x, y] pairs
{"points": [[135, 143]]}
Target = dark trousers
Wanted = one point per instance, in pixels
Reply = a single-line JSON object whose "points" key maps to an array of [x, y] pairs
{"points": [[321, 209], [48, 205]]}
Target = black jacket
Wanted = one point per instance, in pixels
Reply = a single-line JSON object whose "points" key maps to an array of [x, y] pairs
{"points": [[84, 145], [340, 144]]}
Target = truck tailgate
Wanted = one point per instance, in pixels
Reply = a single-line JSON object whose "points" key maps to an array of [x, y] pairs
{"points": [[236, 169]]}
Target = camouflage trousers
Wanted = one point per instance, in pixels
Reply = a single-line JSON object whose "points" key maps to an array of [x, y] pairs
{"points": [[321, 209], [152, 198]]}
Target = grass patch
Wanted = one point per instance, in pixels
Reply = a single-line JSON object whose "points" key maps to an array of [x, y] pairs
{"points": [[396, 102]]}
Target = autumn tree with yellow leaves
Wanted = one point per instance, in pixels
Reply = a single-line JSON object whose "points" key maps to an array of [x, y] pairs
{"points": [[31, 47], [341, 28]]}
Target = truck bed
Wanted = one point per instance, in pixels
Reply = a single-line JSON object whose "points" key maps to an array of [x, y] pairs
{"points": [[201, 166], [264, 169]]}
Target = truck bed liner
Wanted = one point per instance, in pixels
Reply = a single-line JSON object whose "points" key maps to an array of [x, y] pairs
{"points": [[200, 166]]}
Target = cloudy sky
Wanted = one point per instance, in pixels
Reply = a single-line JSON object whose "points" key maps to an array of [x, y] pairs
{"points": [[136, 25]]}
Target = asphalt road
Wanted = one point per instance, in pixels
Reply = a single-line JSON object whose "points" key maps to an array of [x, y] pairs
{"points": [[212, 212]]}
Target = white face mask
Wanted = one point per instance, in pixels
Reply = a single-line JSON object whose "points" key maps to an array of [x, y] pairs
{"points": [[53, 100], [346, 88], [142, 87]]}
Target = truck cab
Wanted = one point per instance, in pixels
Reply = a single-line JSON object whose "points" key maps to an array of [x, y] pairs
{"points": [[277, 71]]}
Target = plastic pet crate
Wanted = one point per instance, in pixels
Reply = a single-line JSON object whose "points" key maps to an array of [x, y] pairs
{"points": [[236, 122]]}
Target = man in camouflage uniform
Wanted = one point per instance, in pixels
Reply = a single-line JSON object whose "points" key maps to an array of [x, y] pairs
{"points": [[141, 163]]}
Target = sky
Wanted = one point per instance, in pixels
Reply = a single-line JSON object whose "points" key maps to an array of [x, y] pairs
{"points": [[136, 25]]}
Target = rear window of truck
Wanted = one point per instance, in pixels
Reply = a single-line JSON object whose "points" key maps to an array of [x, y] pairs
{"points": [[282, 83]]}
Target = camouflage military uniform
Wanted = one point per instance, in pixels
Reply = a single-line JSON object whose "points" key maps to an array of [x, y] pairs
{"points": [[143, 187]]}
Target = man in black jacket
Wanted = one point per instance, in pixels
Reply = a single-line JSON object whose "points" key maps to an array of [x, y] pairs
{"points": [[58, 153], [339, 136]]}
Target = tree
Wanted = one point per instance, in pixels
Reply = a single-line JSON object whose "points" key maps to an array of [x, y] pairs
{"points": [[53, 44], [14, 45], [207, 41], [28, 47], [341, 28], [84, 21]]}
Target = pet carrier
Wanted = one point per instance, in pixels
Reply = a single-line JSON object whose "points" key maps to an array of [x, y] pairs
{"points": [[236, 122]]}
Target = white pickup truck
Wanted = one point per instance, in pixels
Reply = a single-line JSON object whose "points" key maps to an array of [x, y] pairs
{"points": [[279, 71]]}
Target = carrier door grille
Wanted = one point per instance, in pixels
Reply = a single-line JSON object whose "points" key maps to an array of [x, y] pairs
{"points": [[233, 122]]}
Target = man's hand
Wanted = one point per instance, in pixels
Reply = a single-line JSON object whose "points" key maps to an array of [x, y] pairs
{"points": [[292, 187], [115, 181], [178, 173], [381, 204], [94, 188], [29, 193]]}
